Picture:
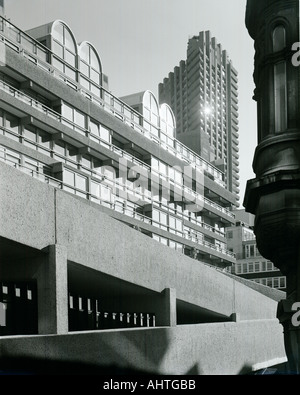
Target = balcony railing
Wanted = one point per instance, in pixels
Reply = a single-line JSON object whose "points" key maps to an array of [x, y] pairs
{"points": [[40, 55], [59, 118], [193, 235]]}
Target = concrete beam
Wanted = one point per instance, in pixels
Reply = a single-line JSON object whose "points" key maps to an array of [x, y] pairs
{"points": [[166, 311]]}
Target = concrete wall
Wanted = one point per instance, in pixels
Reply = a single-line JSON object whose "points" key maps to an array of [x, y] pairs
{"points": [[36, 215], [209, 349]]}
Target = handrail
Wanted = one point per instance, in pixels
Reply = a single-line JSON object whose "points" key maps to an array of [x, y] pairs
{"points": [[58, 117], [209, 167], [60, 184]]}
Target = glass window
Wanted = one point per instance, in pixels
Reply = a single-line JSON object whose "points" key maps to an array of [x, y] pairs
{"points": [[94, 128], [282, 282], [12, 123], [155, 215], [95, 188], [68, 40], [81, 182], [86, 161], [30, 134], [58, 32], [105, 133], [58, 64], [59, 147], [95, 90], [84, 68], [163, 168], [95, 76], [155, 237], [150, 108], [164, 241], [279, 38], [106, 194], [69, 177], [280, 96], [67, 112], [80, 119], [64, 47], [172, 244], [69, 57], [58, 49], [94, 61], [44, 139], [90, 66], [155, 164]]}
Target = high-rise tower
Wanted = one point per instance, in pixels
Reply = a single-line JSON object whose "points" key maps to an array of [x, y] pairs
{"points": [[203, 94]]}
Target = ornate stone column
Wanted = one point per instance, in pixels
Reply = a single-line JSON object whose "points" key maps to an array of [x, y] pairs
{"points": [[274, 195]]}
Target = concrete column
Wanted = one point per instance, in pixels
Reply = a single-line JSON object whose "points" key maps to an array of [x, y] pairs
{"points": [[166, 310], [52, 283]]}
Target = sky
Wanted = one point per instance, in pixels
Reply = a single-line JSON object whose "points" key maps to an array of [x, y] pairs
{"points": [[141, 41]]}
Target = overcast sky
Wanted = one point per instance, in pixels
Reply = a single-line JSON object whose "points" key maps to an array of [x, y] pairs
{"points": [[141, 41]]}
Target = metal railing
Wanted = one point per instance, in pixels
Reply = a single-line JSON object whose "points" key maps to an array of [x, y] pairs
{"points": [[192, 236], [59, 118], [41, 56]]}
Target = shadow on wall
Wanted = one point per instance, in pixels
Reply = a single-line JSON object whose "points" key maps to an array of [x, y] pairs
{"points": [[68, 355]]}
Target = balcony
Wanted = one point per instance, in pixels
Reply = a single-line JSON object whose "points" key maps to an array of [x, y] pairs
{"points": [[40, 56]]}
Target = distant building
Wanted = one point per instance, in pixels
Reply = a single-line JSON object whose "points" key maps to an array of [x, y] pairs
{"points": [[203, 94], [250, 264]]}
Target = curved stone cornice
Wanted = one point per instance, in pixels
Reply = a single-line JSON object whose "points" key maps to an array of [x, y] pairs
{"points": [[257, 10]]}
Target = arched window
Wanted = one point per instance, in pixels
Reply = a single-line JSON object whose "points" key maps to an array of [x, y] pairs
{"points": [[279, 38], [280, 96], [64, 49], [90, 68], [150, 113], [167, 124]]}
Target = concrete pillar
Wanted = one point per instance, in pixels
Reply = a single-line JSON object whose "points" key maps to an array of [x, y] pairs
{"points": [[166, 310], [52, 283]]}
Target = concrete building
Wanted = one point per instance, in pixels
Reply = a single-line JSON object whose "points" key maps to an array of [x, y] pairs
{"points": [[203, 94], [102, 261], [250, 264]]}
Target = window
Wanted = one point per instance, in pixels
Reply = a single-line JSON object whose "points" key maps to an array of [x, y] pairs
{"points": [[167, 124], [279, 38], [30, 135], [77, 120], [150, 111], [280, 96], [44, 139], [160, 219], [105, 134], [64, 48], [175, 225], [90, 68], [154, 164], [75, 183]]}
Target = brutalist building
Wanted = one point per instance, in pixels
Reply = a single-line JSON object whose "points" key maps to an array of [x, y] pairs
{"points": [[110, 226]]}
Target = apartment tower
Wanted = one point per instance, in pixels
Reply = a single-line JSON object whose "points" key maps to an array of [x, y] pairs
{"points": [[203, 94]]}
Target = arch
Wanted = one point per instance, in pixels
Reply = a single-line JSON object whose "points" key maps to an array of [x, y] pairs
{"points": [[281, 23], [89, 54], [167, 120], [62, 34], [90, 67], [279, 38], [150, 108], [64, 49]]}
